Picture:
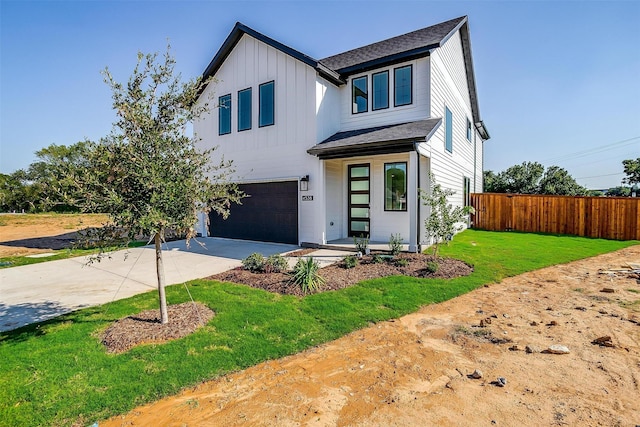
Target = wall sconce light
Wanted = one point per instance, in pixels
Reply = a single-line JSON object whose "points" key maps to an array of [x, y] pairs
{"points": [[304, 183]]}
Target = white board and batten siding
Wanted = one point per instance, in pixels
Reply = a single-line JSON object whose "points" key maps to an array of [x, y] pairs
{"points": [[449, 89], [270, 153], [417, 110]]}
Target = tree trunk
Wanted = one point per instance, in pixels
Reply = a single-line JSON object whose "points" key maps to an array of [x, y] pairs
{"points": [[164, 315]]}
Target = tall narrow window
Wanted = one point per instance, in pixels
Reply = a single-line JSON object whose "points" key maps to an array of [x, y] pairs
{"points": [[448, 130], [244, 109], [468, 130], [466, 190], [224, 115], [402, 85], [380, 83], [395, 186], [267, 104], [360, 95]]}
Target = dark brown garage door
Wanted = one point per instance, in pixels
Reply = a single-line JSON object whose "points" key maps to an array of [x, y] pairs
{"points": [[270, 214]]}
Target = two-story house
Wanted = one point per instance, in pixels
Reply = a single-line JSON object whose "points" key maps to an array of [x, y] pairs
{"points": [[340, 147]]}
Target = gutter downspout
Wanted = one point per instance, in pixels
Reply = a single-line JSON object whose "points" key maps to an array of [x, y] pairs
{"points": [[418, 245]]}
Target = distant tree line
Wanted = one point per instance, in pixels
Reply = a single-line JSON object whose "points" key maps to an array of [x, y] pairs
{"points": [[532, 178], [47, 184]]}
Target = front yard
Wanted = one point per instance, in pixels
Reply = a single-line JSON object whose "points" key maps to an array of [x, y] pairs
{"points": [[58, 372]]}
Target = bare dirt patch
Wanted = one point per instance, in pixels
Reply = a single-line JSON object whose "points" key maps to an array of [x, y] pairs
{"points": [[145, 327], [338, 277], [26, 234], [414, 371]]}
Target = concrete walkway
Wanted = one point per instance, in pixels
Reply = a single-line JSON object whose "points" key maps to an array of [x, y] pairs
{"points": [[38, 292]]}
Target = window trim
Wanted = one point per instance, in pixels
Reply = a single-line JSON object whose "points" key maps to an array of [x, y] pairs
{"points": [[406, 171], [395, 103], [220, 111], [466, 191], [448, 130], [250, 109], [468, 129], [354, 104], [273, 104], [373, 91]]}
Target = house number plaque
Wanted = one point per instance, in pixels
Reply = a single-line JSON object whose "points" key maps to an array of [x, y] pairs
{"points": [[307, 198]]}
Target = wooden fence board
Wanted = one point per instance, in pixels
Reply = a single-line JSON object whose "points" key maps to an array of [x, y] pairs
{"points": [[601, 217]]}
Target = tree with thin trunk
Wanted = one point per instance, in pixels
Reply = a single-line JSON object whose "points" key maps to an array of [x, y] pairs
{"points": [[148, 174]]}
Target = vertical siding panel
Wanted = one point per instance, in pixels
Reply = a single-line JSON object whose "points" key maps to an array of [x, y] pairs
{"points": [[598, 217]]}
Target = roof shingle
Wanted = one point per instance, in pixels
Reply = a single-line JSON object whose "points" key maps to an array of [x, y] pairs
{"points": [[416, 41]]}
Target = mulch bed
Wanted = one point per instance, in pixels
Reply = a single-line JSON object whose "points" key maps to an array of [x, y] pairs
{"points": [[145, 327], [339, 277]]}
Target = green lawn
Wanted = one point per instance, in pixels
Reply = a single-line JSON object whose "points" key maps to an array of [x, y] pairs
{"points": [[57, 372], [15, 261]]}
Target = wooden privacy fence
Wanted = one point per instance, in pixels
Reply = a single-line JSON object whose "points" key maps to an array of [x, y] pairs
{"points": [[601, 217]]}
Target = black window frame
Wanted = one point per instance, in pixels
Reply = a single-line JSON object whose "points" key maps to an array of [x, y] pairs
{"points": [[395, 87], [273, 104], [221, 111], [353, 98], [406, 189], [469, 133], [240, 115], [373, 91], [448, 129]]}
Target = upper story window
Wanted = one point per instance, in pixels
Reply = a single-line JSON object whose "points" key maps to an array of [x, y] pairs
{"points": [[402, 81], [448, 130], [380, 82], [266, 104], [224, 114], [360, 94], [244, 109], [468, 130]]}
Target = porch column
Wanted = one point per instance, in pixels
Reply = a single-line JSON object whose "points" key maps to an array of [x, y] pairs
{"points": [[413, 202], [321, 185]]}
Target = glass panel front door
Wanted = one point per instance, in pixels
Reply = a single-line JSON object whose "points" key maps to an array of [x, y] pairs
{"points": [[359, 176]]}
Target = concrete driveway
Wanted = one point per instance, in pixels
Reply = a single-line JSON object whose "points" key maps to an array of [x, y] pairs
{"points": [[37, 292]]}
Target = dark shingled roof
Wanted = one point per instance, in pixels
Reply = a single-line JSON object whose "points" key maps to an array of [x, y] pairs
{"points": [[396, 138], [415, 43]]}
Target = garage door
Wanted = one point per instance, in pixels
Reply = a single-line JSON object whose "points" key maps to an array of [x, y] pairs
{"points": [[270, 214]]}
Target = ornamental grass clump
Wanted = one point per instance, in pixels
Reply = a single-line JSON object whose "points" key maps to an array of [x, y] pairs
{"points": [[306, 274], [395, 244]]}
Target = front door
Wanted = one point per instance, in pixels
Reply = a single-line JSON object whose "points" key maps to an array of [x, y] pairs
{"points": [[359, 197]]}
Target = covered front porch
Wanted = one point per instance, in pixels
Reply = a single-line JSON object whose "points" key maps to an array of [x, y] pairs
{"points": [[371, 181]]}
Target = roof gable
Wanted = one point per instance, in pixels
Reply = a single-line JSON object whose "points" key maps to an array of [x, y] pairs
{"points": [[236, 34], [413, 44]]}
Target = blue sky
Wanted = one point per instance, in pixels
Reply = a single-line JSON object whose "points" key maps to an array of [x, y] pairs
{"points": [[558, 81]]}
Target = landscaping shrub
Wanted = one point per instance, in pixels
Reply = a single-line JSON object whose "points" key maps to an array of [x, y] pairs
{"points": [[254, 262], [306, 274], [350, 261], [377, 259], [276, 264], [432, 267], [402, 262], [361, 244], [395, 244]]}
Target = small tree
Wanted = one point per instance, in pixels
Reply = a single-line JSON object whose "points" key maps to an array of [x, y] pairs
{"points": [[632, 170], [444, 220], [148, 174]]}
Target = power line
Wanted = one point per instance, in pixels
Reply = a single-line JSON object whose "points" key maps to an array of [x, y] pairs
{"points": [[592, 151], [600, 176]]}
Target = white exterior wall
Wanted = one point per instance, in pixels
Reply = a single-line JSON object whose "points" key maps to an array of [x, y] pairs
{"points": [[328, 99], [449, 88], [275, 152], [383, 223], [419, 109]]}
